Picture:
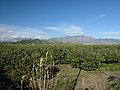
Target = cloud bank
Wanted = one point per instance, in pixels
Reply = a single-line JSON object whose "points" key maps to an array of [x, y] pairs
{"points": [[9, 32], [67, 30], [111, 34]]}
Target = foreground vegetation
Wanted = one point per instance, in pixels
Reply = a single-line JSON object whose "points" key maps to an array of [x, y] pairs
{"points": [[18, 60]]}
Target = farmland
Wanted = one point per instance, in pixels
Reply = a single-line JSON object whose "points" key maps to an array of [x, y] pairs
{"points": [[97, 64]]}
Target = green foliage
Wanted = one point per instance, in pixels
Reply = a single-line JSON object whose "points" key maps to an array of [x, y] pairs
{"points": [[17, 60]]}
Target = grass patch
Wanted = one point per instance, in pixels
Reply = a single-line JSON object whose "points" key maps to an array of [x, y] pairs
{"points": [[110, 67], [91, 80]]}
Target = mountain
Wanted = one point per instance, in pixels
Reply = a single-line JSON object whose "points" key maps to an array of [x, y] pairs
{"points": [[108, 41], [67, 39], [31, 41], [74, 39], [85, 40]]}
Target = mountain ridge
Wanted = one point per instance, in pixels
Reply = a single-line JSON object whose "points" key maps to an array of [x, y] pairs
{"points": [[67, 39], [86, 40]]}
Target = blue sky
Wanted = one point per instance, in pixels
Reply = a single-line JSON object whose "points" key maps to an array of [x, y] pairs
{"points": [[57, 18]]}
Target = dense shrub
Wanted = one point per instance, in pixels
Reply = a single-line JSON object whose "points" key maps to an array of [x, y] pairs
{"points": [[17, 60]]}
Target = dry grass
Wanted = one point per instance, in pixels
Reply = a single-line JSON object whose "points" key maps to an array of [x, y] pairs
{"points": [[95, 80], [91, 80], [88, 80]]}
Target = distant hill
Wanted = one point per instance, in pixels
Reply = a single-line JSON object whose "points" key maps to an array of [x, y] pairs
{"points": [[31, 41], [85, 40], [108, 41], [74, 39], [35, 41], [67, 39]]}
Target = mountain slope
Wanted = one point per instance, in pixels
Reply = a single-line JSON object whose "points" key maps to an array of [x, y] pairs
{"points": [[85, 40], [67, 39], [74, 39]]}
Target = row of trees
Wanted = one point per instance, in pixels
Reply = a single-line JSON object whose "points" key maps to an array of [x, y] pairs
{"points": [[18, 60]]}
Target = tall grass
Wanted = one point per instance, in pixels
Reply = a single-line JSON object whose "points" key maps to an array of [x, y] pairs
{"points": [[42, 74]]}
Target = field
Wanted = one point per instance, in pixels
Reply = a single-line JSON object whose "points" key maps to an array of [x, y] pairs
{"points": [[68, 66]]}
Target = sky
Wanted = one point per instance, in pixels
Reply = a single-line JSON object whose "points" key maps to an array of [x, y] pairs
{"points": [[43, 19]]}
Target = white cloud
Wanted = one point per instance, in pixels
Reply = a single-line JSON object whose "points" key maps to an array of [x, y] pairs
{"points": [[95, 19], [67, 30], [14, 36], [111, 34], [9, 31], [52, 28], [73, 30]]}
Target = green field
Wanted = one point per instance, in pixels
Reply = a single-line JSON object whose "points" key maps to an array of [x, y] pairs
{"points": [[77, 67]]}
